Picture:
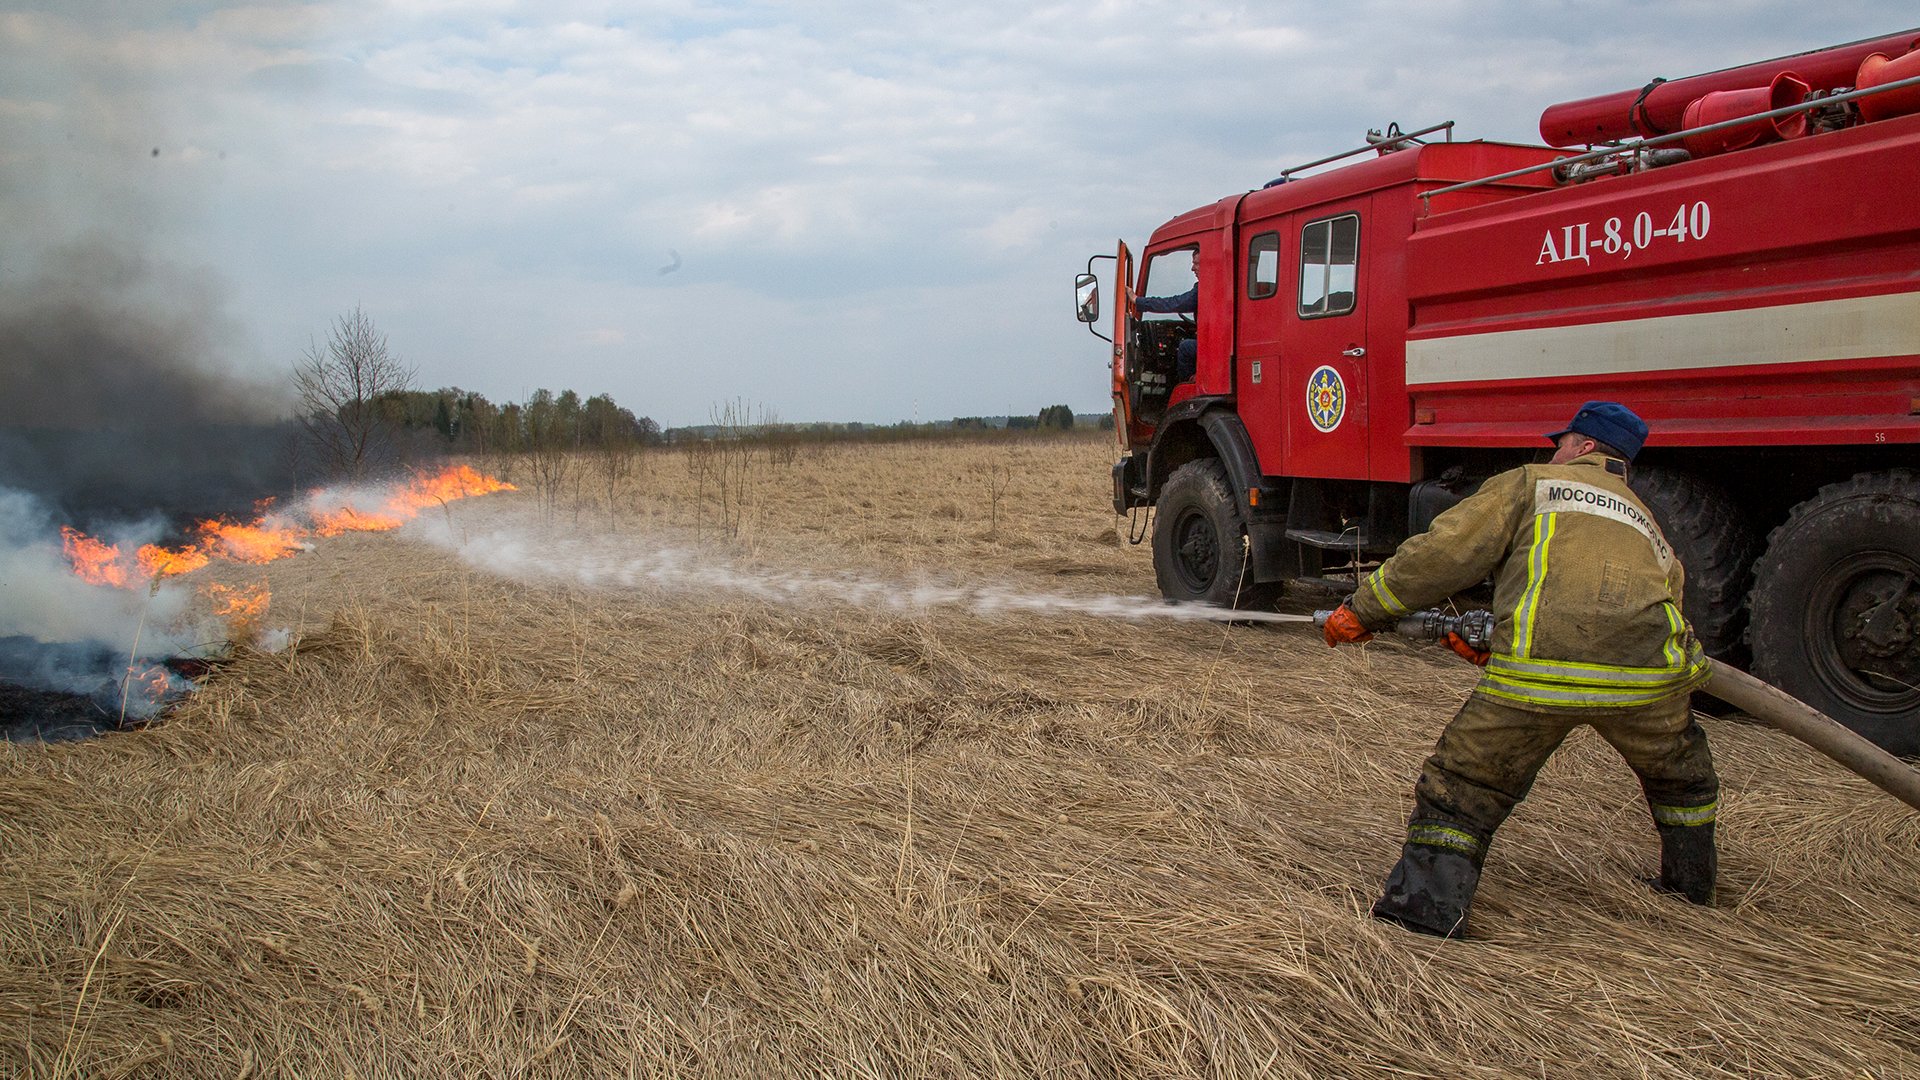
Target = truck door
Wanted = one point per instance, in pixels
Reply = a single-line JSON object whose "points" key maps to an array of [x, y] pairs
{"points": [[1264, 310], [1323, 395], [1122, 330]]}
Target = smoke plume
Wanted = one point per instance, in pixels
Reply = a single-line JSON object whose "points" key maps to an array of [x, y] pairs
{"points": [[115, 403]]}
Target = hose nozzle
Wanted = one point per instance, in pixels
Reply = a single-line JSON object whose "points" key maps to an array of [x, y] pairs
{"points": [[1474, 627]]}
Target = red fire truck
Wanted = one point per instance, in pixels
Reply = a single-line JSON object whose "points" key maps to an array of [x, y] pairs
{"points": [[1735, 255]]}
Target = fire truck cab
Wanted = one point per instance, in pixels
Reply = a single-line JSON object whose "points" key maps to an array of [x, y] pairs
{"points": [[1735, 255]]}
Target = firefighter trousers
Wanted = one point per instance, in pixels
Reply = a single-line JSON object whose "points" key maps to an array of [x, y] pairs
{"points": [[1487, 757]]}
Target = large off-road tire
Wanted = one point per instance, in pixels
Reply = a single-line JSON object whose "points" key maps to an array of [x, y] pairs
{"points": [[1199, 541], [1716, 544], [1836, 606]]}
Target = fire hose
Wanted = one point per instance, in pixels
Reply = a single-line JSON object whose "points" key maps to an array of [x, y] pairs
{"points": [[1762, 701]]}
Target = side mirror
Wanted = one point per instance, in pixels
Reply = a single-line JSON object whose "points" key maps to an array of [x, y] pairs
{"points": [[1086, 298]]}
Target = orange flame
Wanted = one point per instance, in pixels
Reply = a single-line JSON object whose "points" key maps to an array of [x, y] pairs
{"points": [[147, 686], [459, 482], [335, 522], [257, 542], [242, 606], [234, 602], [93, 560], [263, 540], [402, 506], [157, 562]]}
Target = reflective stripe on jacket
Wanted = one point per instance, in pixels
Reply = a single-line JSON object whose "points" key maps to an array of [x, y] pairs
{"points": [[1586, 593]]}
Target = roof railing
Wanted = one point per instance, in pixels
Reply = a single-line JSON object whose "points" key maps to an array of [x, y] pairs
{"points": [[1393, 140]]}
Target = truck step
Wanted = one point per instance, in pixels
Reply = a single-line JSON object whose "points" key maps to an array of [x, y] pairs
{"points": [[1329, 540], [1325, 584]]}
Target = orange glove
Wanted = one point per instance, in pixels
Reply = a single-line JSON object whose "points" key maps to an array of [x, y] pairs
{"points": [[1343, 628], [1476, 657]]}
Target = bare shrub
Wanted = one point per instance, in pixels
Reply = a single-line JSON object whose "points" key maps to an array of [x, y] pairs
{"points": [[722, 464], [551, 435], [995, 476], [615, 437]]}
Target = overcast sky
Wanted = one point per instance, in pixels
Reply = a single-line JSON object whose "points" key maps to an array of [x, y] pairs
{"points": [[836, 210]]}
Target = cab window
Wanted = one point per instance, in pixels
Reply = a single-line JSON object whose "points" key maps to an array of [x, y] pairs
{"points": [[1263, 266], [1329, 266], [1169, 275]]}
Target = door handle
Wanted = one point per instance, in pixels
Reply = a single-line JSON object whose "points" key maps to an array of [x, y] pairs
{"points": [[1356, 352]]}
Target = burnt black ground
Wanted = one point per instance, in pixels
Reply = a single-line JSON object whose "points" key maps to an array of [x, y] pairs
{"points": [[61, 692], [29, 715]]}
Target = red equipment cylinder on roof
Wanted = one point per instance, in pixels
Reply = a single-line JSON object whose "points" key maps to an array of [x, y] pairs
{"points": [[1787, 89], [1880, 69], [1660, 107]]}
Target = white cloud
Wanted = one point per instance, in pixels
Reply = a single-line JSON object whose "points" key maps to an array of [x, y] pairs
{"points": [[1018, 229]]}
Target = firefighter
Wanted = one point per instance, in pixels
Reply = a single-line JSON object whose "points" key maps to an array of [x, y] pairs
{"points": [[1588, 631]]}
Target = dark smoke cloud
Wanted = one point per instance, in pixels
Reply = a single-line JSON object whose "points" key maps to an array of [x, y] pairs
{"points": [[116, 401], [118, 395]]}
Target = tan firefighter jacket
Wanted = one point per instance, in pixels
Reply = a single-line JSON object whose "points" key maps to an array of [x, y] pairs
{"points": [[1586, 590]]}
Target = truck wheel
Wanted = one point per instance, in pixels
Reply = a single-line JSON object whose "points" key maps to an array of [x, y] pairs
{"points": [[1715, 544], [1836, 607], [1199, 541]]}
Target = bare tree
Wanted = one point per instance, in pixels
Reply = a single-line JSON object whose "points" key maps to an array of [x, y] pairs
{"points": [[340, 386]]}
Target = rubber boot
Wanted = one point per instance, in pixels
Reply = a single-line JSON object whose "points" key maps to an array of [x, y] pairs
{"points": [[1688, 862], [1429, 891]]}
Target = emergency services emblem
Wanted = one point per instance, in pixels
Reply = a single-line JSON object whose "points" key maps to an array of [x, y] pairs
{"points": [[1326, 398]]}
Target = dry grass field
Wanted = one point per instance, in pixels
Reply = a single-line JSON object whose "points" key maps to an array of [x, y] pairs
{"points": [[541, 790]]}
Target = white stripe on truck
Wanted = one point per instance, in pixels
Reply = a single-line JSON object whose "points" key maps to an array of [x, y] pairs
{"points": [[1855, 328]]}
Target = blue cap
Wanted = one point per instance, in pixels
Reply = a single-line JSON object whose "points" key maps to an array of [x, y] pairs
{"points": [[1609, 422]]}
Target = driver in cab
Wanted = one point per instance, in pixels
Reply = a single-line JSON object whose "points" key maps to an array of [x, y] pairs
{"points": [[1186, 303]]}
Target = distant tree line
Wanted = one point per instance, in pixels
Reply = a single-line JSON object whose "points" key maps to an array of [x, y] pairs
{"points": [[362, 414], [464, 421], [1053, 418]]}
